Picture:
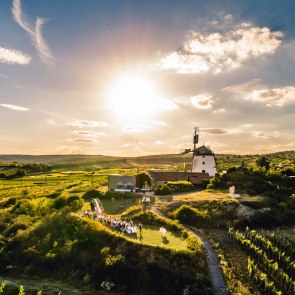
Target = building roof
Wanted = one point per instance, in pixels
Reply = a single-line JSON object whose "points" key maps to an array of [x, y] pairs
{"points": [[203, 150], [193, 177]]}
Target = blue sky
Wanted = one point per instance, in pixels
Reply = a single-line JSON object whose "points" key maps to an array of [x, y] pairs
{"points": [[135, 77]]}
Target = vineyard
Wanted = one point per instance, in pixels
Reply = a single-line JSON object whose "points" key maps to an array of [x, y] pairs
{"points": [[271, 261]]}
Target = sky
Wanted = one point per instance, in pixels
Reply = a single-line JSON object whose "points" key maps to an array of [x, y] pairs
{"points": [[131, 78]]}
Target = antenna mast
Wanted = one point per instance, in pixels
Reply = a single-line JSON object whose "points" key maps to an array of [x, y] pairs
{"points": [[196, 137]]}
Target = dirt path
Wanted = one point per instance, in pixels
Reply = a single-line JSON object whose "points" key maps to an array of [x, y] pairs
{"points": [[216, 275]]}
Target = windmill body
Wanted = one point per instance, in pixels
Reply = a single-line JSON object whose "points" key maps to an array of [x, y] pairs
{"points": [[203, 158]]}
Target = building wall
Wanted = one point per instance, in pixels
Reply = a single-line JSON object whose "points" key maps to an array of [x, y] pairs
{"points": [[205, 164]]}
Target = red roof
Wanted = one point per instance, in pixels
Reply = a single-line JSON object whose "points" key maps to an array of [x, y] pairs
{"points": [[193, 177]]}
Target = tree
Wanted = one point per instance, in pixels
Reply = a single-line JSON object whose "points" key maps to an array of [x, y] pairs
{"points": [[143, 179], [263, 162]]}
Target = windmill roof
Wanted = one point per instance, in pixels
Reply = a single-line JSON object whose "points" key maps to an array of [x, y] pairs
{"points": [[203, 150]]}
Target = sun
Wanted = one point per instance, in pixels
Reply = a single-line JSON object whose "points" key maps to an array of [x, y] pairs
{"points": [[134, 97]]}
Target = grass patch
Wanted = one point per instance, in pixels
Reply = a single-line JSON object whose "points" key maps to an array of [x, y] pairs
{"points": [[151, 236], [118, 206]]}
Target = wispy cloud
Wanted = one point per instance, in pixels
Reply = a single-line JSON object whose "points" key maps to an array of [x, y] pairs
{"points": [[222, 50], [130, 129], [86, 140], [130, 146], [13, 56], [244, 87], [4, 77], [14, 107], [90, 133], [265, 135], [35, 33], [214, 131], [86, 124], [273, 97], [220, 131], [202, 101]]}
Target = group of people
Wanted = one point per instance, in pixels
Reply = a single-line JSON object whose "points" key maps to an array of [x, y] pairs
{"points": [[97, 214], [124, 226], [146, 201]]}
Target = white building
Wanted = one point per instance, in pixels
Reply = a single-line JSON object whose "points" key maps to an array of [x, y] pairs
{"points": [[204, 161]]}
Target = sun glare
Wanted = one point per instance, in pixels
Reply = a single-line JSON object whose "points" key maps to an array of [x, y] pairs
{"points": [[134, 97]]}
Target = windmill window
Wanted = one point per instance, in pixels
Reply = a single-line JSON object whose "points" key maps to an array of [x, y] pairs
{"points": [[203, 171], [203, 163], [203, 156]]}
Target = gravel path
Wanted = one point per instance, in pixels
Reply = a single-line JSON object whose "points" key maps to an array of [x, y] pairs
{"points": [[217, 278]]}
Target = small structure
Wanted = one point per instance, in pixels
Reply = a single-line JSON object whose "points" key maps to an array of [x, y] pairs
{"points": [[232, 192], [122, 183]]}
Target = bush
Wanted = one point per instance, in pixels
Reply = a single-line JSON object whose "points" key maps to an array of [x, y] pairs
{"points": [[92, 194], [119, 195], [77, 204], [189, 215], [60, 202], [162, 190], [180, 186]]}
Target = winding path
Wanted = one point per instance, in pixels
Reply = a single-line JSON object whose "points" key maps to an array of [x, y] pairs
{"points": [[216, 275]]}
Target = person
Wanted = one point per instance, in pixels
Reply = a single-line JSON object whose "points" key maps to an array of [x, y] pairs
{"points": [[163, 232], [140, 227]]}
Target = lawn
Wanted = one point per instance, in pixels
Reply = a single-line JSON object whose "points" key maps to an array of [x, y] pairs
{"points": [[151, 236], [115, 206]]}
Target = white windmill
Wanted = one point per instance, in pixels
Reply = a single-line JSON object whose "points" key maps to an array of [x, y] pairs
{"points": [[203, 158]]}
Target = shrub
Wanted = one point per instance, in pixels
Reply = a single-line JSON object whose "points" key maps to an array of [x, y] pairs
{"points": [[189, 215], [180, 186], [60, 202], [119, 195], [92, 194], [162, 190], [77, 204]]}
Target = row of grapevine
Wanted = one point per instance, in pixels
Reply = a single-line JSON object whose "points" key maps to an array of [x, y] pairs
{"points": [[21, 290], [261, 279], [258, 248], [283, 243], [273, 252]]}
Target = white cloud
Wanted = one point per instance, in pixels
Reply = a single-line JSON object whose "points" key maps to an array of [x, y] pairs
{"points": [[130, 129], [160, 123], [13, 56], [86, 124], [202, 101], [273, 97], [219, 111], [35, 34], [220, 51], [90, 133], [14, 107], [130, 146], [159, 142], [265, 135]]}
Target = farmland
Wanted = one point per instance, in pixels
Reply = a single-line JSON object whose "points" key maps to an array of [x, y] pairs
{"points": [[43, 233]]}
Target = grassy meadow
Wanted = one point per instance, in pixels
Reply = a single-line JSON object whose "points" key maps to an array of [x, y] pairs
{"points": [[43, 234]]}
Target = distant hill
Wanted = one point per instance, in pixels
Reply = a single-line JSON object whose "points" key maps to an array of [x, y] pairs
{"points": [[163, 161]]}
